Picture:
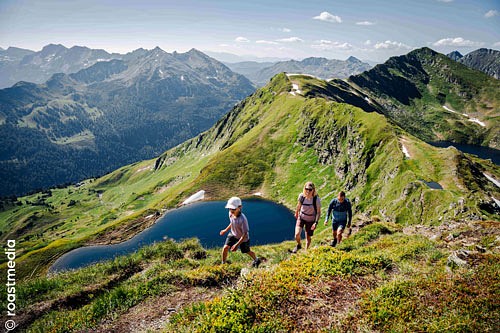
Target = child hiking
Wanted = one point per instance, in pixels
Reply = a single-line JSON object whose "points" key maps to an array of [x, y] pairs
{"points": [[307, 213], [239, 232], [341, 211]]}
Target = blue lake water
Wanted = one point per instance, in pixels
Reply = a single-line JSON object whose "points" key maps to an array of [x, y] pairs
{"points": [[433, 185], [479, 151], [269, 223]]}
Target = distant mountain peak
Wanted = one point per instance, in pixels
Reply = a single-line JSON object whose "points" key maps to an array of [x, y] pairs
{"points": [[423, 51], [353, 59], [53, 47], [313, 58], [77, 47], [455, 55], [197, 52], [157, 51]]}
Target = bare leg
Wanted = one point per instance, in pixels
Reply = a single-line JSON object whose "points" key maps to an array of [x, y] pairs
{"points": [[339, 235], [298, 231], [308, 241], [225, 250], [252, 254]]}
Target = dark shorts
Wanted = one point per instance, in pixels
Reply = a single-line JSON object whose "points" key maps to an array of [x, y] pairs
{"points": [[338, 225], [308, 225], [231, 240]]}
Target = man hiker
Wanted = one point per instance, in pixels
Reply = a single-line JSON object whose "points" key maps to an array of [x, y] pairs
{"points": [[239, 234], [307, 213], [341, 211]]}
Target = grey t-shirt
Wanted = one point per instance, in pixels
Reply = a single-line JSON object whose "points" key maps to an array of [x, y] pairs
{"points": [[239, 226]]}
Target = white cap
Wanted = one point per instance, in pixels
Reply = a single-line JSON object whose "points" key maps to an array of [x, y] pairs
{"points": [[233, 203]]}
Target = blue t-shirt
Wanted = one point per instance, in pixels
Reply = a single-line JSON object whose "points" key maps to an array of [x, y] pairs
{"points": [[342, 211]]}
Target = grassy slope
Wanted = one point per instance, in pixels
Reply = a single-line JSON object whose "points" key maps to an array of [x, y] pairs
{"points": [[272, 142]]}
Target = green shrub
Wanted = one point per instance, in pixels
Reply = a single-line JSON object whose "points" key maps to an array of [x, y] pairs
{"points": [[463, 301]]}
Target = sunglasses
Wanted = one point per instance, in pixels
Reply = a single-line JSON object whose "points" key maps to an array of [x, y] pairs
{"points": [[308, 189]]}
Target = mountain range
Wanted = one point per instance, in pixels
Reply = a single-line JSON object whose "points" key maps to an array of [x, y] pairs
{"points": [[37, 67], [261, 73], [114, 112]]}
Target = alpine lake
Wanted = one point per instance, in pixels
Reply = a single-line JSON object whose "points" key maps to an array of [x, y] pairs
{"points": [[269, 223]]}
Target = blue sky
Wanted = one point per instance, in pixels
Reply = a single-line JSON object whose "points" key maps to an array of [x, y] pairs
{"points": [[370, 30]]}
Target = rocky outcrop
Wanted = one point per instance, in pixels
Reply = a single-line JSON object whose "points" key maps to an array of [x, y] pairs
{"points": [[341, 146]]}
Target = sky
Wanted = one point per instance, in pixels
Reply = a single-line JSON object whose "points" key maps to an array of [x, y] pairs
{"points": [[367, 29]]}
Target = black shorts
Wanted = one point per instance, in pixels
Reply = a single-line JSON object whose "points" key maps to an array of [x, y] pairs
{"points": [[305, 224], [338, 225], [231, 240]]}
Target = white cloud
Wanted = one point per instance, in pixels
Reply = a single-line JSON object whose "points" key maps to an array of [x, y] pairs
{"points": [[368, 42], [390, 45], [457, 41], [325, 45], [445, 0], [365, 23], [326, 16], [241, 40], [290, 40], [491, 13], [497, 44], [266, 42], [285, 30]]}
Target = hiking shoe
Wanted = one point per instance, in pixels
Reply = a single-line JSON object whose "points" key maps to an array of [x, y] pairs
{"points": [[333, 243], [296, 248], [256, 263]]}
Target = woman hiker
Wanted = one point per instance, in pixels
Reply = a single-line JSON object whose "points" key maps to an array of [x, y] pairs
{"points": [[307, 213]]}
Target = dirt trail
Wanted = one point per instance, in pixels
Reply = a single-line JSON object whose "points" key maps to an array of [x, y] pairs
{"points": [[153, 314]]}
